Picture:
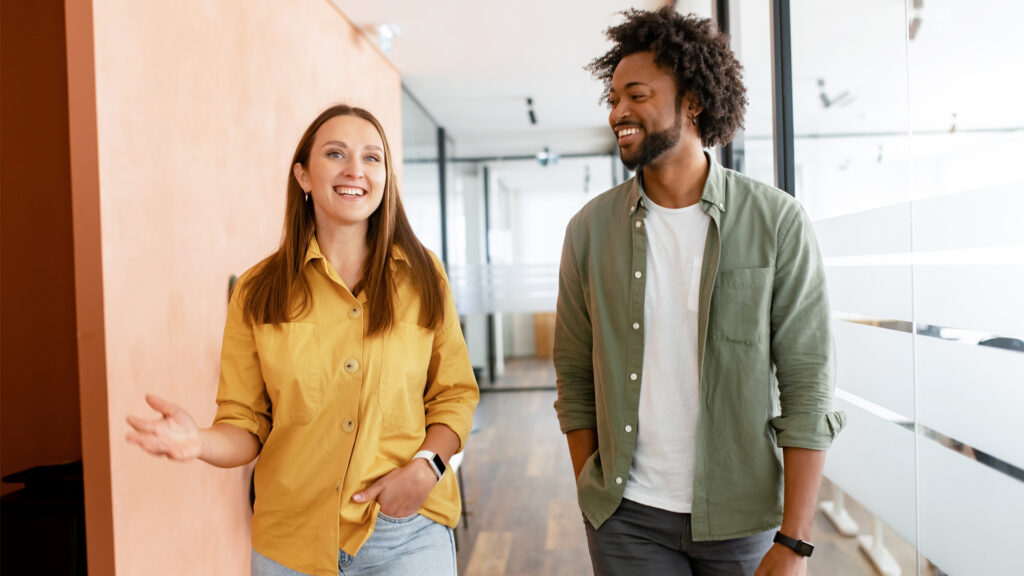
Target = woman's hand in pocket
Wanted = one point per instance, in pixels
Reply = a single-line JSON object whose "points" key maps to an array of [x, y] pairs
{"points": [[403, 491]]}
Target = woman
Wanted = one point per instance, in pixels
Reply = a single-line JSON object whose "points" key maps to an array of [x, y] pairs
{"points": [[344, 368]]}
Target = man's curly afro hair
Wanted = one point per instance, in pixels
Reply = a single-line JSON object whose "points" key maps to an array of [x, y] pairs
{"points": [[695, 53]]}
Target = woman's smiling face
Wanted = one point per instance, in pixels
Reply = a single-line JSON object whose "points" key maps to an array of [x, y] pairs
{"points": [[346, 172]]}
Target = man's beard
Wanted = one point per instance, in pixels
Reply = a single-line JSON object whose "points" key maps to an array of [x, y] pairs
{"points": [[655, 144]]}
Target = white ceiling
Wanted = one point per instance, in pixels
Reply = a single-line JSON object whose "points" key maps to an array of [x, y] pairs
{"points": [[472, 64]]}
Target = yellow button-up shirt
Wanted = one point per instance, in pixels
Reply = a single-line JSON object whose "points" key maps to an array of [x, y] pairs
{"points": [[334, 410]]}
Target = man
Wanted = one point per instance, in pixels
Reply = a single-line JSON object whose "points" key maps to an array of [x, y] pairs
{"points": [[693, 343]]}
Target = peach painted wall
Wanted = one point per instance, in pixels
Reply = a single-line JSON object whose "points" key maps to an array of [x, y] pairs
{"points": [[199, 105]]}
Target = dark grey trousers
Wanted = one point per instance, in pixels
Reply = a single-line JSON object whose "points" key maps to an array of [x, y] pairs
{"points": [[639, 540]]}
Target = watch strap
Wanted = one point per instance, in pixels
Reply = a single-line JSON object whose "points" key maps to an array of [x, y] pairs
{"points": [[799, 546], [435, 462]]}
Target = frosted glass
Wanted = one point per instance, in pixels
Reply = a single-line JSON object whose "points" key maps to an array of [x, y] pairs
{"points": [[873, 461], [882, 292], [979, 298], [880, 231], [972, 517], [877, 365], [973, 394], [974, 219], [504, 288]]}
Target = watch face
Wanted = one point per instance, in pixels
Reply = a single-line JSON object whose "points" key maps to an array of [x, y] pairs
{"points": [[439, 465]]}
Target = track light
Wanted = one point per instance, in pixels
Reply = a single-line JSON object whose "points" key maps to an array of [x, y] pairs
{"points": [[546, 156], [529, 110]]}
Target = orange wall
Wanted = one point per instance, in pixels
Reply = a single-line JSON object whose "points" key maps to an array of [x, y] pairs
{"points": [[198, 107], [39, 368]]}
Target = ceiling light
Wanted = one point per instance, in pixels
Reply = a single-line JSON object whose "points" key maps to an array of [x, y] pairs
{"points": [[386, 32]]}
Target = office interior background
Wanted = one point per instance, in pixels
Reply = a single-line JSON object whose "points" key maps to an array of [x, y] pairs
{"points": [[145, 152]]}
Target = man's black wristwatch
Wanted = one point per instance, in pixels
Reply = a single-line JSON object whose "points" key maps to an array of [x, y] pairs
{"points": [[799, 546]]}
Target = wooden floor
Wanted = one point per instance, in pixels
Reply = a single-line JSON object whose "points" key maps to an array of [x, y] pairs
{"points": [[522, 515]]}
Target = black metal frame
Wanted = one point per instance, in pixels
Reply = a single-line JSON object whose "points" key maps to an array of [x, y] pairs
{"points": [[721, 11], [442, 175], [782, 88], [492, 354]]}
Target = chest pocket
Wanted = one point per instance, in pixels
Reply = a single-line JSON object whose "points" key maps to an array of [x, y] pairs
{"points": [[290, 360], [741, 306], [404, 378]]}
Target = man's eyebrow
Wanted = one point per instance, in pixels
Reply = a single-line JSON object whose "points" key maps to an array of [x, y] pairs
{"points": [[630, 85]]}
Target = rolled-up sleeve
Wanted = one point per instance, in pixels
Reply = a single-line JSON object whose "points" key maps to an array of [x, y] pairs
{"points": [[802, 346], [451, 394], [242, 399], [573, 350]]}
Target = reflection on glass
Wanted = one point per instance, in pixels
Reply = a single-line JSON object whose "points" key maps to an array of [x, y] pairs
{"points": [[750, 38], [910, 105], [420, 181]]}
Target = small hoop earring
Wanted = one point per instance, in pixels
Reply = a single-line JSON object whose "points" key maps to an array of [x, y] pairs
{"points": [[693, 120]]}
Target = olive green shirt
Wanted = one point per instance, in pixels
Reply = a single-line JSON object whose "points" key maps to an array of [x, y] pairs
{"points": [[765, 352]]}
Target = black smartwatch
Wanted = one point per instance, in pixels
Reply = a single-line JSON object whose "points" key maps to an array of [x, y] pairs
{"points": [[436, 464], [799, 546]]}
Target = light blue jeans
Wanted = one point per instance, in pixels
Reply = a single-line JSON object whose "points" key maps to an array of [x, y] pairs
{"points": [[398, 547]]}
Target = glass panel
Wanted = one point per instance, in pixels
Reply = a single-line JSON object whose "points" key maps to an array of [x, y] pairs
{"points": [[751, 40], [970, 513], [973, 394], [879, 231], [986, 299], [872, 292], [849, 100], [420, 181], [968, 137], [873, 461], [978, 218], [877, 365]]}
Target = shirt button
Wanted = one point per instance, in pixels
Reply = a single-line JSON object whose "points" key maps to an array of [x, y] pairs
{"points": [[351, 365], [637, 274], [639, 223], [348, 425], [355, 313], [629, 428], [618, 480], [636, 325], [632, 376]]}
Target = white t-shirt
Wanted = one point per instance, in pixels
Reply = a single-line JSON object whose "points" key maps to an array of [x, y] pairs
{"points": [[663, 462]]}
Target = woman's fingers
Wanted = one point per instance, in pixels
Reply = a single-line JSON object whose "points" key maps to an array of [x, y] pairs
{"points": [[147, 442], [162, 406], [142, 424]]}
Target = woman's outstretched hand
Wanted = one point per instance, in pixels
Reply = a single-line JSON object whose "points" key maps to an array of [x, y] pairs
{"points": [[174, 435]]}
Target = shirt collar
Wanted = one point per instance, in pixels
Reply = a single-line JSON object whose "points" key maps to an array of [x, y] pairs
{"points": [[313, 252], [713, 196]]}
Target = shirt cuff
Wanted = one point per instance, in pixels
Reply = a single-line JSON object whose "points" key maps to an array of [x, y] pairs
{"points": [[811, 431]]}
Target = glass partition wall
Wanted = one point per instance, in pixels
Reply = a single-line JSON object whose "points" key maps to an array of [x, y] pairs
{"points": [[420, 178], [508, 220], [907, 134]]}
